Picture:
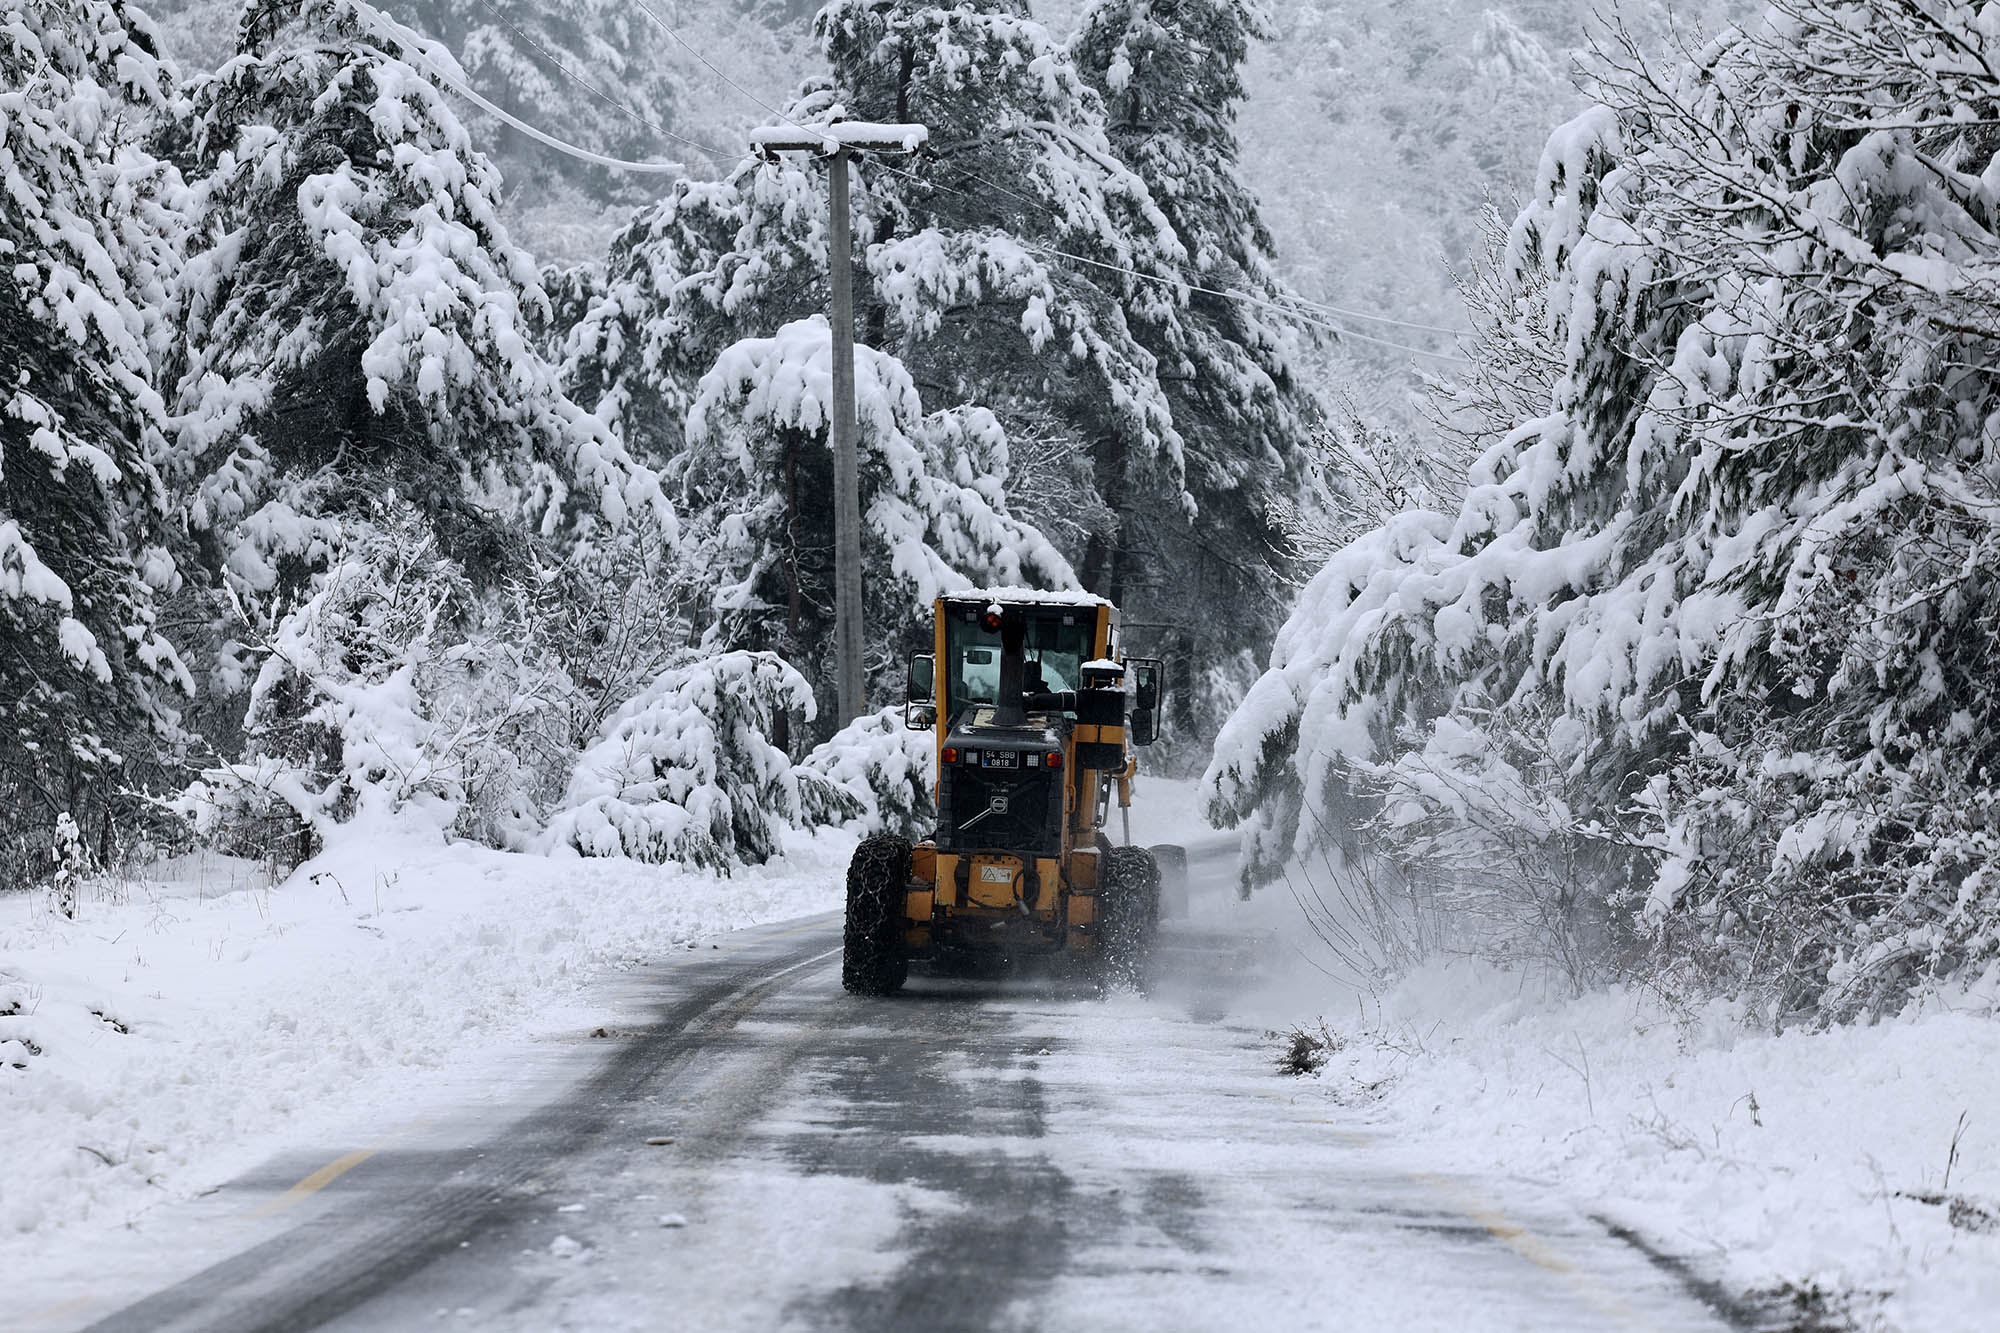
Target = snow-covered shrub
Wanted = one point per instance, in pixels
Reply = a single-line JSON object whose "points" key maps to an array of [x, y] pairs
{"points": [[1742, 571], [72, 863], [345, 716], [687, 772], [399, 689], [886, 772]]}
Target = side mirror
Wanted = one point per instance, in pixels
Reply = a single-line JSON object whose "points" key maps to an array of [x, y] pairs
{"points": [[920, 694], [1149, 680]]}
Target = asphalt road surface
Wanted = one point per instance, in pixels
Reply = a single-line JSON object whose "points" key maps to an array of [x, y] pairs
{"points": [[758, 1150]]}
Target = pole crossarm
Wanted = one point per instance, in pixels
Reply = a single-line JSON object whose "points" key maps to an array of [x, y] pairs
{"points": [[849, 136]]}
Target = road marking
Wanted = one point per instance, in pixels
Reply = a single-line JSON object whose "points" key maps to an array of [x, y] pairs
{"points": [[313, 1183], [1504, 1229], [800, 930], [50, 1313], [340, 1166]]}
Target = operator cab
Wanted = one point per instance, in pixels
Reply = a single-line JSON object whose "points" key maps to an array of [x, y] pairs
{"points": [[1057, 639]]}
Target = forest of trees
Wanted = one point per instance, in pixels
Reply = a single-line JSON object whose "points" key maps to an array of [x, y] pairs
{"points": [[1657, 635], [1696, 678], [327, 503]]}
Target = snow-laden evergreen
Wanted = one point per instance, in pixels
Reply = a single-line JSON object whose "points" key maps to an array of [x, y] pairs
{"points": [[357, 356], [1171, 79], [355, 298], [687, 771], [623, 81], [1022, 264], [756, 480], [1723, 614], [956, 275], [88, 684]]}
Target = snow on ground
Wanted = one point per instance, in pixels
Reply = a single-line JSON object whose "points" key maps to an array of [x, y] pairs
{"points": [[184, 1025], [1807, 1168]]}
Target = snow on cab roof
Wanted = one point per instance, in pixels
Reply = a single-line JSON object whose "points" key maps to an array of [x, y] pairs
{"points": [[1028, 596]]}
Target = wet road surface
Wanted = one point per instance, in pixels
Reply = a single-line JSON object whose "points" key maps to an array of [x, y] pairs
{"points": [[755, 1149]]}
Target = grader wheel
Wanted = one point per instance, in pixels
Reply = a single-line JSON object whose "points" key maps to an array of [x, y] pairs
{"points": [[1128, 907], [1173, 862], [872, 958]]}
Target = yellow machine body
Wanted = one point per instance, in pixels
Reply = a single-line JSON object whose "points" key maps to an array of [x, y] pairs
{"points": [[999, 877]]}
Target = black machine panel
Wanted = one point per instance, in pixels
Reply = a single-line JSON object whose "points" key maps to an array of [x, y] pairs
{"points": [[995, 808]]}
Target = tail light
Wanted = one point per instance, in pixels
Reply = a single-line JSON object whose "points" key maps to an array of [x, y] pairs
{"points": [[1053, 759], [951, 754]]}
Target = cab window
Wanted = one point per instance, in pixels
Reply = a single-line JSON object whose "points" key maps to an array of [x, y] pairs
{"points": [[1055, 655]]}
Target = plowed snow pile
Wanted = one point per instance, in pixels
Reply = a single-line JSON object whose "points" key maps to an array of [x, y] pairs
{"points": [[183, 1024]]}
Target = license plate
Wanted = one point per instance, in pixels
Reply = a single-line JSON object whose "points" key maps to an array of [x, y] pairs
{"points": [[996, 874], [1002, 759]]}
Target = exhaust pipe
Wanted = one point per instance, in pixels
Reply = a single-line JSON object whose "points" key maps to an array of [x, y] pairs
{"points": [[1008, 708]]}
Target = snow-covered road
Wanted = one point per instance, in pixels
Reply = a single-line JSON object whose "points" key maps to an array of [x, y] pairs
{"points": [[751, 1148]]}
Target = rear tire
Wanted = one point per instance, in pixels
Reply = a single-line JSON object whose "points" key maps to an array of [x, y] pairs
{"points": [[1128, 906], [1172, 860], [873, 960]]}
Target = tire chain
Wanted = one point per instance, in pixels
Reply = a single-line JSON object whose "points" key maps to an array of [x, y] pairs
{"points": [[1127, 912], [872, 959]]}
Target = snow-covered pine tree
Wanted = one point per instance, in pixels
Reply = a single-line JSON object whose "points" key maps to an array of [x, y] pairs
{"points": [[756, 481], [356, 352], [1730, 601], [87, 682], [994, 261], [958, 271], [686, 770], [712, 263], [1171, 78], [884, 770]]}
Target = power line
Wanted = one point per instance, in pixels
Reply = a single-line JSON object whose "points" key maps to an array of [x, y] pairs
{"points": [[413, 44], [1347, 313], [581, 154], [662, 25], [592, 88], [1232, 295], [1286, 307]]}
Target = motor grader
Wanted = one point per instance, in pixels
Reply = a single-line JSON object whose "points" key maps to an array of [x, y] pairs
{"points": [[1036, 712]]}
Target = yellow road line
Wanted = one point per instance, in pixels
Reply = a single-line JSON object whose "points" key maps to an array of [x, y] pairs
{"points": [[50, 1313], [1503, 1229], [1508, 1232], [313, 1183], [800, 930]]}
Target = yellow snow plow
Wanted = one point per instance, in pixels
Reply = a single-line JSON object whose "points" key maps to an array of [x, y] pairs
{"points": [[1037, 714]]}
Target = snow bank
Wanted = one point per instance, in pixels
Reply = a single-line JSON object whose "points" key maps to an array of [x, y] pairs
{"points": [[1809, 1168], [172, 1033]]}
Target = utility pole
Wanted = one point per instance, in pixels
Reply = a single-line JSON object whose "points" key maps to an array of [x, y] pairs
{"points": [[836, 143]]}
